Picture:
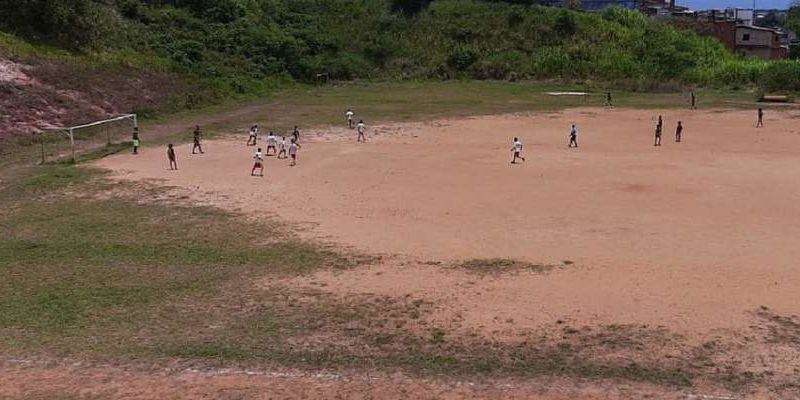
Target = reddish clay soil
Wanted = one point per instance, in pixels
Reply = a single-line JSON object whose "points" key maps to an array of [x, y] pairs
{"points": [[689, 235], [37, 94], [693, 237]]}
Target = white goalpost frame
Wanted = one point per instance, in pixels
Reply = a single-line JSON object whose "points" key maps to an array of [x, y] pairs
{"points": [[70, 130]]}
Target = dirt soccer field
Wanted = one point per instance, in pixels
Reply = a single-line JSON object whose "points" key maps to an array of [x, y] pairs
{"points": [[698, 238]]}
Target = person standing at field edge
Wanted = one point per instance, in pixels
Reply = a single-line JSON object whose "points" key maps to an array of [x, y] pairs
{"points": [[516, 148], [608, 99], [573, 136], [361, 127], [135, 140], [678, 132], [760, 123], [693, 100], [349, 115], [173, 165], [196, 138], [296, 134]]}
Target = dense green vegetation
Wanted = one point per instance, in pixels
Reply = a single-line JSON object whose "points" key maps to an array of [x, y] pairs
{"points": [[243, 45]]}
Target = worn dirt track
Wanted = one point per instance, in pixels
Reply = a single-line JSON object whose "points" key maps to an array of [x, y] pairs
{"points": [[26, 381]]}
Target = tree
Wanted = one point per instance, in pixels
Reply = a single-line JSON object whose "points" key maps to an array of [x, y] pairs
{"points": [[71, 23], [793, 17]]}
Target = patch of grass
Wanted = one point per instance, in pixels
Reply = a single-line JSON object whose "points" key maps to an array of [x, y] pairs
{"points": [[783, 329], [503, 266], [79, 267], [437, 335]]}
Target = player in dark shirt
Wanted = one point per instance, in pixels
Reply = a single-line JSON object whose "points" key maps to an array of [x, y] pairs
{"points": [[760, 123], [196, 138], [171, 156]]}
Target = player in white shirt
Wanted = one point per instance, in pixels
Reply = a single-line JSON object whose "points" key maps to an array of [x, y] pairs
{"points": [[272, 143], [517, 149], [349, 115], [361, 127], [573, 136], [282, 147], [259, 164], [251, 140], [293, 152]]}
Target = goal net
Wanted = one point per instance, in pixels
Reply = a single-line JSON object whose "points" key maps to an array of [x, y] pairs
{"points": [[71, 141]]}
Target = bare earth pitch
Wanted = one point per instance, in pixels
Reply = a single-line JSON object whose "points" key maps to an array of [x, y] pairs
{"points": [[691, 236]]}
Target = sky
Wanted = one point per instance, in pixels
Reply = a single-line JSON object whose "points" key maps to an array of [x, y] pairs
{"points": [[760, 4]]}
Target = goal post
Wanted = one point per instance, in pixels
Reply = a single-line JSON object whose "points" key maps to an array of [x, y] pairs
{"points": [[96, 134]]}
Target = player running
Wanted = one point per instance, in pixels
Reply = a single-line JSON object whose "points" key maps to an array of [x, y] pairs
{"points": [[259, 164], [573, 137], [251, 140], [282, 148], [361, 127], [293, 152], [272, 143], [135, 140], [760, 123], [516, 148], [349, 115], [678, 132], [173, 165], [196, 137]]}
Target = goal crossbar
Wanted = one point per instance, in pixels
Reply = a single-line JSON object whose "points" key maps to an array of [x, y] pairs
{"points": [[70, 130], [118, 118]]}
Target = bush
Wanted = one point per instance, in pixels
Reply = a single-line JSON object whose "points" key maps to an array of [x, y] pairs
{"points": [[75, 24], [781, 76], [462, 58]]}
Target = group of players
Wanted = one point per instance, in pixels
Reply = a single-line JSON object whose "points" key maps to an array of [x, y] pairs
{"points": [[516, 147], [281, 148]]}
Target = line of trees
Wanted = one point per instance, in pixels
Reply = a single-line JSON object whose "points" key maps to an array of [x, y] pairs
{"points": [[235, 44]]}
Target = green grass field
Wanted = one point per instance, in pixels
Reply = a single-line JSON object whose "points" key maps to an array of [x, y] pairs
{"points": [[414, 101]]}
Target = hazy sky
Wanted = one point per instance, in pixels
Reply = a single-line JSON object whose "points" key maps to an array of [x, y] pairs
{"points": [[704, 4]]}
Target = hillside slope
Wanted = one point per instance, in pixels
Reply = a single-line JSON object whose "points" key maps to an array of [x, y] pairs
{"points": [[144, 55], [43, 87]]}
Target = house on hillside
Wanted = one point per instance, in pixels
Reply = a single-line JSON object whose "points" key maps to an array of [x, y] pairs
{"points": [[760, 42], [664, 9], [735, 29]]}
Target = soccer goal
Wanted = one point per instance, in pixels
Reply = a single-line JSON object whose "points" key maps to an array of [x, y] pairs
{"points": [[86, 137]]}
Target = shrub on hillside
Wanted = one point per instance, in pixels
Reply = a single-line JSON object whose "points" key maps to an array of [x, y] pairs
{"points": [[781, 76], [76, 24]]}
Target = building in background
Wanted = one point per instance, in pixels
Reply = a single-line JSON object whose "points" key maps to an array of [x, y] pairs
{"points": [[756, 41], [740, 30]]}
